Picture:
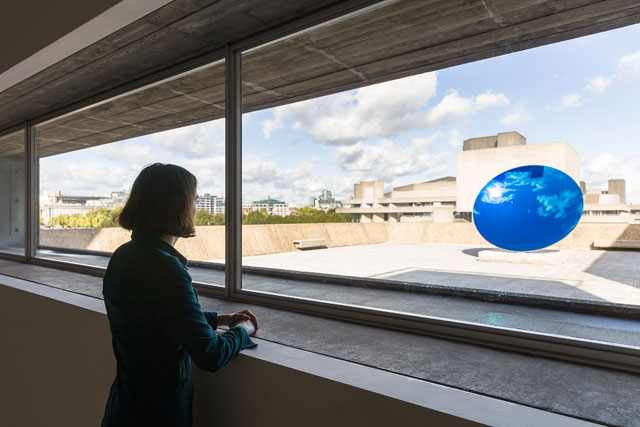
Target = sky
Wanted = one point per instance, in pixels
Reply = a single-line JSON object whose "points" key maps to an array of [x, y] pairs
{"points": [[584, 91]]}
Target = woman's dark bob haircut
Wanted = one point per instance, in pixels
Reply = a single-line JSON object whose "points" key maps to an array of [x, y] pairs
{"points": [[162, 202]]}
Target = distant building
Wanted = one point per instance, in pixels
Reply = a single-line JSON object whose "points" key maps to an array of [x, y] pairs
{"points": [[325, 201], [120, 197], [210, 203], [431, 201], [54, 203], [609, 205], [481, 159], [272, 206]]}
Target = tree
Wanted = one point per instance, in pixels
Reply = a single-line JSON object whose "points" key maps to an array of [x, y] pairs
{"points": [[97, 218], [218, 219], [304, 215], [79, 221], [255, 217], [100, 218], [60, 221], [114, 214], [204, 217]]}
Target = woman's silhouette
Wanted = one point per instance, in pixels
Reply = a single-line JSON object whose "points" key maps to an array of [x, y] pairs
{"points": [[155, 318]]}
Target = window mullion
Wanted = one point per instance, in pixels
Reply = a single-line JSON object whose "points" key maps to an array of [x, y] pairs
{"points": [[233, 172], [31, 193]]}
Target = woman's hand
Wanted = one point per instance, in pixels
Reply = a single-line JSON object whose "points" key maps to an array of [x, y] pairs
{"points": [[233, 319], [247, 325]]}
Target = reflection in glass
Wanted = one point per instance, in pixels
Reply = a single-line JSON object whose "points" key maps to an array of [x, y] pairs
{"points": [[528, 208]]}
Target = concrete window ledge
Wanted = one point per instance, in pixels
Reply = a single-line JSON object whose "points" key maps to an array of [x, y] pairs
{"points": [[61, 366]]}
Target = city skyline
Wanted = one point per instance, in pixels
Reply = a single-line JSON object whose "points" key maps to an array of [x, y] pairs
{"points": [[404, 131]]}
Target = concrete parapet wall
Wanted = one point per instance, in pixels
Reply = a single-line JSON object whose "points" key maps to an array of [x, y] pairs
{"points": [[274, 238], [95, 239]]}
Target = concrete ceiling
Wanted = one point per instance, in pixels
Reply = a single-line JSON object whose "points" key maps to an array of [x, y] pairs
{"points": [[397, 39]]}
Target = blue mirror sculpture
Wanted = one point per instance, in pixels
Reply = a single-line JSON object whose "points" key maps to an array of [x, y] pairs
{"points": [[528, 208]]}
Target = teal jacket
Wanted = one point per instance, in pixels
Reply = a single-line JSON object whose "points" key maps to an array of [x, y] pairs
{"points": [[157, 326]]}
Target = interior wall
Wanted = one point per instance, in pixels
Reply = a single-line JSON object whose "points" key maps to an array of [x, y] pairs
{"points": [[12, 203], [57, 366]]}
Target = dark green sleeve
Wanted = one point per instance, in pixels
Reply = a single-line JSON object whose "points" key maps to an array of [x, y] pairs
{"points": [[212, 319], [181, 319]]}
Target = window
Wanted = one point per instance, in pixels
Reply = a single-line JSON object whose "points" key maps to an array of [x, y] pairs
{"points": [[427, 144], [89, 159], [363, 148]]}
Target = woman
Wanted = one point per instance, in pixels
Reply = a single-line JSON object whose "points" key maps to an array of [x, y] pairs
{"points": [[154, 315]]}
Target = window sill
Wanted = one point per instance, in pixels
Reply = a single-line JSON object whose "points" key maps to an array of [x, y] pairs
{"points": [[416, 369]]}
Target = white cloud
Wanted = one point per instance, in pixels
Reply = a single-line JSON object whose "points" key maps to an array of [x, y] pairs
{"points": [[517, 116], [628, 69], [370, 111], [572, 100], [495, 193], [201, 140], [629, 66], [93, 178], [598, 85], [558, 204], [378, 110], [209, 171], [261, 177], [490, 99], [388, 161], [455, 138]]}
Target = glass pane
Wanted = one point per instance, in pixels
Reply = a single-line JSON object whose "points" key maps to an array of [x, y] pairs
{"points": [[12, 193], [362, 169], [90, 158]]}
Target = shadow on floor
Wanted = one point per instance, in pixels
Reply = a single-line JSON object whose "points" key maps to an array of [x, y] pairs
{"points": [[494, 283]]}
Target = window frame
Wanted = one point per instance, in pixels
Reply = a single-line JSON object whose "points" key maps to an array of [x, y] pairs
{"points": [[549, 345]]}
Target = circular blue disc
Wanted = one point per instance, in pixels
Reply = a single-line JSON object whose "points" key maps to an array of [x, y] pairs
{"points": [[528, 208]]}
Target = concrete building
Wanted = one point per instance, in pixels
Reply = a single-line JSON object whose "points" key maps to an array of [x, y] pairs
{"points": [[210, 203], [450, 198], [120, 197], [609, 205], [272, 206], [431, 201], [324, 201], [481, 159], [54, 203]]}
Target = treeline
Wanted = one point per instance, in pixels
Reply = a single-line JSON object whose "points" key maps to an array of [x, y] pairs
{"points": [[305, 215], [105, 218], [98, 218]]}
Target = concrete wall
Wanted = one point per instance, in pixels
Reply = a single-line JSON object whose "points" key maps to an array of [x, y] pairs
{"points": [[618, 186], [57, 366], [56, 362], [12, 203], [268, 239], [433, 189], [504, 139], [475, 168], [368, 191]]}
